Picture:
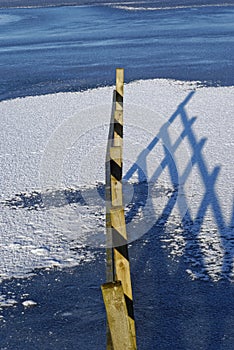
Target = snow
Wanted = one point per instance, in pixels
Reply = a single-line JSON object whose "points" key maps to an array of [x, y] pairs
{"points": [[29, 303], [52, 172], [164, 8]]}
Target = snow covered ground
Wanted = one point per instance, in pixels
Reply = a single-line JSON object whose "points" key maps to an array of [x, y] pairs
{"points": [[178, 167]]}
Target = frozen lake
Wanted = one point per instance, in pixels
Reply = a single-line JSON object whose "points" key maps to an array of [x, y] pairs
{"points": [[51, 258], [48, 50]]}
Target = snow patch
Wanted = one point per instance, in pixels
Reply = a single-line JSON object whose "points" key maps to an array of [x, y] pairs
{"points": [[29, 303], [178, 140]]}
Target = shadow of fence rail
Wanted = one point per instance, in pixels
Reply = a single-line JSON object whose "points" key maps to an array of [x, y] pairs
{"points": [[210, 198]]}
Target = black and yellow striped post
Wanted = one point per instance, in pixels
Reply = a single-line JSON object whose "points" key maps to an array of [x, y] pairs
{"points": [[118, 265], [116, 315]]}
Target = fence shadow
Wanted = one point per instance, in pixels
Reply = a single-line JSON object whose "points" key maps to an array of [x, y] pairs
{"points": [[172, 311], [191, 226]]}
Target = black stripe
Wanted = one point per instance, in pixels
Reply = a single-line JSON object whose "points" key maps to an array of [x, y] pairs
{"points": [[116, 170], [119, 98], [118, 128], [123, 250], [129, 304]]}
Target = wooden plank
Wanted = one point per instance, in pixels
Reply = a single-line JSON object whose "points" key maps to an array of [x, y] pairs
{"points": [[118, 128], [116, 176], [116, 154], [118, 266], [116, 311], [116, 192], [109, 250], [123, 273], [120, 81], [119, 88], [118, 141], [122, 270], [111, 131], [121, 260], [109, 343], [118, 116], [118, 220]]}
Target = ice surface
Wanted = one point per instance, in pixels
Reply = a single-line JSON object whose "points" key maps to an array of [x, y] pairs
{"points": [[178, 167]]}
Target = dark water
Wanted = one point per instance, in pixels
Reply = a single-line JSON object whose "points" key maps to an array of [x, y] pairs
{"points": [[171, 311], [47, 50]]}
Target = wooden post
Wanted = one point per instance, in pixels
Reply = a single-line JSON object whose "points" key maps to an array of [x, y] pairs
{"points": [[118, 115], [118, 266], [116, 176], [116, 311], [109, 245], [121, 262], [109, 250], [119, 88]]}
